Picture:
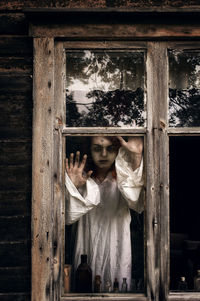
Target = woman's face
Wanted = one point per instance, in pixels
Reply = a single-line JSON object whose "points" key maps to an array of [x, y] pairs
{"points": [[103, 152]]}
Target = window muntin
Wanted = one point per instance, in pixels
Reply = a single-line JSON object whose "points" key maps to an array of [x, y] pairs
{"points": [[105, 88], [184, 88]]}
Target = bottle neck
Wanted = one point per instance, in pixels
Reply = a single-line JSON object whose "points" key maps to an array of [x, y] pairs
{"points": [[83, 259]]}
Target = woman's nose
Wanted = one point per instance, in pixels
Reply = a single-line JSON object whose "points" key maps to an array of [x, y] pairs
{"points": [[104, 152]]}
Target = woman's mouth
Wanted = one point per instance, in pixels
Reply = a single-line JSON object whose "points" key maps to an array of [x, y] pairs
{"points": [[103, 161]]}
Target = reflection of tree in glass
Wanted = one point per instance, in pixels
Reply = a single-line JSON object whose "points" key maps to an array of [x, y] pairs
{"points": [[103, 88], [72, 114], [112, 108], [184, 94], [105, 70], [184, 69], [184, 107]]}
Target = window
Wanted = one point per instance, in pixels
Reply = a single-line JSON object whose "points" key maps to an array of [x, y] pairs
{"points": [[105, 92], [184, 111], [79, 99]]}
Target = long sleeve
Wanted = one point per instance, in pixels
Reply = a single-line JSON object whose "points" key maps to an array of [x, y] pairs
{"points": [[78, 204], [129, 182]]}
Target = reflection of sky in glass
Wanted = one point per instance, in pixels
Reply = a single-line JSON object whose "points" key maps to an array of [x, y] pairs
{"points": [[88, 72], [184, 88]]}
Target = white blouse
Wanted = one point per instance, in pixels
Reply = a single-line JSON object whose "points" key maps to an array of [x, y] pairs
{"points": [[102, 209]]}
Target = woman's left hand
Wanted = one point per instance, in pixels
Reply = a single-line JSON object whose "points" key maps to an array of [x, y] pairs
{"points": [[133, 145]]}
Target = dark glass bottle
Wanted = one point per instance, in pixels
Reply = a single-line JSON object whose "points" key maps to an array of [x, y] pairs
{"points": [[124, 286], [197, 281], [182, 285], [97, 284], [116, 286], [83, 276]]}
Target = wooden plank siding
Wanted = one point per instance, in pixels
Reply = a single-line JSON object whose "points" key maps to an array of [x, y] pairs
{"points": [[16, 56]]}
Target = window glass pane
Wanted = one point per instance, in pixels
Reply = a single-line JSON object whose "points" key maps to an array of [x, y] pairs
{"points": [[184, 89], [104, 216], [184, 211], [104, 88]]}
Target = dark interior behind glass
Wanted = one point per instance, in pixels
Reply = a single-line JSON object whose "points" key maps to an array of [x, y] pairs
{"points": [[184, 210]]}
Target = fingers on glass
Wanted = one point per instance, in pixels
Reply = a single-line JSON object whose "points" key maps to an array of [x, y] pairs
{"points": [[67, 164], [71, 160], [77, 158], [82, 165]]}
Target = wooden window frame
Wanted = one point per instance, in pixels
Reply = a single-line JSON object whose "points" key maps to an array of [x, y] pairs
{"points": [[50, 38]]}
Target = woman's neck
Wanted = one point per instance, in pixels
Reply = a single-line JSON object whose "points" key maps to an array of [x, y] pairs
{"points": [[101, 174]]}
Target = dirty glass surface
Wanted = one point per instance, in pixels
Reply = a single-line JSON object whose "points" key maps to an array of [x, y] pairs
{"points": [[105, 88], [184, 89], [109, 226]]}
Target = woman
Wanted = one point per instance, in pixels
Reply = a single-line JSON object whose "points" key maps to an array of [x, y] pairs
{"points": [[100, 200]]}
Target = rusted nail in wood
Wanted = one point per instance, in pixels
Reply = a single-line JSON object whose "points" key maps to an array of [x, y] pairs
{"points": [[58, 123], [59, 120], [162, 124]]}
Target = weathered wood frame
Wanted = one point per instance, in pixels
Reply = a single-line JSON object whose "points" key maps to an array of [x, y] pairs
{"points": [[49, 144]]}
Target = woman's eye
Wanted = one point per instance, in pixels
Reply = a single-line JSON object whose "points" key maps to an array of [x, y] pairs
{"points": [[111, 149], [97, 149]]}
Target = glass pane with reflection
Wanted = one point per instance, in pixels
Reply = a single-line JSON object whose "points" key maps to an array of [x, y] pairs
{"points": [[184, 212], [105, 88], [104, 213], [184, 89]]}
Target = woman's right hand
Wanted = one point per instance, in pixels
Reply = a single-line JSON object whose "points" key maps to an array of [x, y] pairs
{"points": [[75, 169]]}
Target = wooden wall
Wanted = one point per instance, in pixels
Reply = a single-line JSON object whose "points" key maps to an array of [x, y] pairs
{"points": [[15, 155], [16, 60]]}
